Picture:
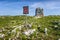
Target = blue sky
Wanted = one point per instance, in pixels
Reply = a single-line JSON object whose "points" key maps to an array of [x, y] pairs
{"points": [[15, 7]]}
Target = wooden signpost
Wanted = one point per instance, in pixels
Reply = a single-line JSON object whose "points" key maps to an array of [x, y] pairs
{"points": [[25, 12]]}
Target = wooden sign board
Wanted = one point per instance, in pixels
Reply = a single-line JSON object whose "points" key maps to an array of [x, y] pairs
{"points": [[25, 10]]}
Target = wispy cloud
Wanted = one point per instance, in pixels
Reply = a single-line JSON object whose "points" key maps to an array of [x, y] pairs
{"points": [[46, 5]]}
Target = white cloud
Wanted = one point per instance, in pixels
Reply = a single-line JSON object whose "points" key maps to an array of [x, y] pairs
{"points": [[35, 5], [46, 5]]}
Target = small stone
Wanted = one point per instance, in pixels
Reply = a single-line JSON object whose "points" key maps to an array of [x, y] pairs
{"points": [[59, 39], [2, 35], [29, 32]]}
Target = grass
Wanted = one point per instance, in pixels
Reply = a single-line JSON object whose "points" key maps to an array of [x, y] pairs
{"points": [[7, 22]]}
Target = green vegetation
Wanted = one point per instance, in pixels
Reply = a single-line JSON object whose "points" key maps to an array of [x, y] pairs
{"points": [[49, 22]]}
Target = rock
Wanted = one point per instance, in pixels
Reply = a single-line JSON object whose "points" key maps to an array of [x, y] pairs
{"points": [[29, 32], [46, 31], [29, 25], [55, 26], [59, 39], [2, 35]]}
